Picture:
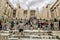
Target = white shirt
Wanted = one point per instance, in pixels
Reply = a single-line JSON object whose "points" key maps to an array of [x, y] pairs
{"points": [[21, 26]]}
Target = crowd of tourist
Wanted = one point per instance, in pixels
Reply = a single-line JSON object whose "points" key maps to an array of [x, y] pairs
{"points": [[32, 23]]}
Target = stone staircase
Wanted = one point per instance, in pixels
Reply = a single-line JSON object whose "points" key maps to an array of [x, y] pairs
{"points": [[31, 35]]}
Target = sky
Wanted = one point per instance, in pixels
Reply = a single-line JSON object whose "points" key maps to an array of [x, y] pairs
{"points": [[33, 4]]}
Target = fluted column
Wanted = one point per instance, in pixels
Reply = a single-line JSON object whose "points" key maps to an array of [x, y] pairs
{"points": [[2, 7], [17, 12], [44, 13], [49, 11], [20, 13], [28, 14], [57, 11], [37, 13]]}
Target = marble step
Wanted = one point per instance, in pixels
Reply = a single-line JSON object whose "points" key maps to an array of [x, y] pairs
{"points": [[37, 39], [13, 38]]}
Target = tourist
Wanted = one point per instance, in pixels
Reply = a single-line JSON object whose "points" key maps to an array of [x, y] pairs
{"points": [[29, 22], [59, 24], [43, 24], [12, 24], [46, 24], [4, 28], [31, 25], [0, 25], [20, 27], [39, 24], [52, 25], [16, 21]]}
